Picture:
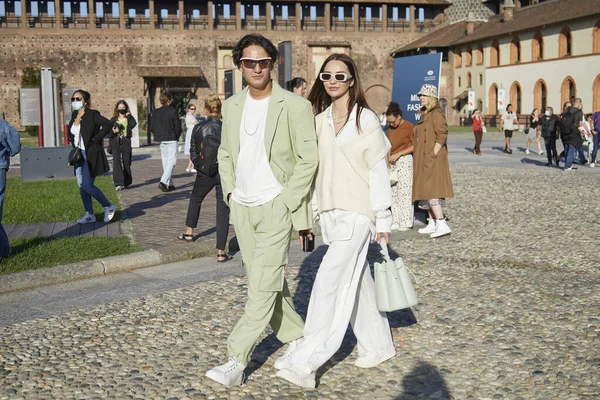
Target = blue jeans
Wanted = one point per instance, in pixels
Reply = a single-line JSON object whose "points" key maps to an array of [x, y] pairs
{"points": [[4, 244], [570, 151], [87, 189], [580, 155], [595, 151], [168, 153]]}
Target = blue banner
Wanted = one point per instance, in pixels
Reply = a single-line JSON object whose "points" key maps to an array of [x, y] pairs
{"points": [[410, 73]]}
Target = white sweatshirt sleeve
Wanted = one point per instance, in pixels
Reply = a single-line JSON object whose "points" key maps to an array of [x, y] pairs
{"points": [[381, 196]]}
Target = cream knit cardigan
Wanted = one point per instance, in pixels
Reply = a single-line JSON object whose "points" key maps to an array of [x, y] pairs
{"points": [[343, 177]]}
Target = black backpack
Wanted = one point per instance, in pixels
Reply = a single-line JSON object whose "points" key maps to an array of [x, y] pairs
{"points": [[567, 124]]}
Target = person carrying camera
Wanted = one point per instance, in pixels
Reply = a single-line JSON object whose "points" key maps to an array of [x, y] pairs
{"points": [[120, 145]]}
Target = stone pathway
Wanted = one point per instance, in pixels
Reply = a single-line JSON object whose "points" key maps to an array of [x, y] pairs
{"points": [[62, 229], [509, 309]]}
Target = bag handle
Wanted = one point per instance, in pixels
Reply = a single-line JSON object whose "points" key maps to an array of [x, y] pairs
{"points": [[386, 255]]}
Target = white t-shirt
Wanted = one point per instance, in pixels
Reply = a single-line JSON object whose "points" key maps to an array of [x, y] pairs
{"points": [[75, 129], [255, 183], [509, 121]]}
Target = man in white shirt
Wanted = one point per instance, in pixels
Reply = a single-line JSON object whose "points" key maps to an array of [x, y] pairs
{"points": [[267, 162], [509, 123]]}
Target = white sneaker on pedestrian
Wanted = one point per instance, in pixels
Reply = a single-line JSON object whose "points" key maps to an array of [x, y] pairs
{"points": [[371, 361], [592, 165], [109, 212], [228, 374], [441, 229], [193, 170], [542, 152], [526, 151], [568, 169], [284, 360], [188, 169], [87, 219], [298, 378], [430, 228]]}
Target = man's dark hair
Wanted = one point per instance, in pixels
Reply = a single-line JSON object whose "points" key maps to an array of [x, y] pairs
{"points": [[257, 40], [294, 83], [394, 109]]}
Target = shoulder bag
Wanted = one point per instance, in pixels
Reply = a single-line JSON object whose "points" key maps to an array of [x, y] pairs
{"points": [[75, 155], [393, 287]]}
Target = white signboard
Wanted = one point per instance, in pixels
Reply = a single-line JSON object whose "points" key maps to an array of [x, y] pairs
{"points": [[471, 99], [30, 107], [501, 102]]}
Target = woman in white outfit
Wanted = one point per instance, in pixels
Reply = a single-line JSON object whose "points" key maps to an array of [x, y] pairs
{"points": [[190, 122], [352, 198]]}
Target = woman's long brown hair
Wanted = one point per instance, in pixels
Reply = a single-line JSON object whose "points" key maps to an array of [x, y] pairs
{"points": [[321, 100]]}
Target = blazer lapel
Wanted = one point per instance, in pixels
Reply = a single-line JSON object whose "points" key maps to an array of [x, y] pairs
{"points": [[235, 120], [275, 108]]}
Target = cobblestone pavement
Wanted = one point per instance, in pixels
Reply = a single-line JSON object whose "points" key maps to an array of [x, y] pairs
{"points": [[509, 309]]}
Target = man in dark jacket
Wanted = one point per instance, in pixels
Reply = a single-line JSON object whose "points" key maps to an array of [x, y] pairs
{"points": [[569, 130], [10, 145], [166, 128], [549, 128]]}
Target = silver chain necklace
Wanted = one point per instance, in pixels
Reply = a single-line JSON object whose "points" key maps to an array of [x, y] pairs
{"points": [[259, 121]]}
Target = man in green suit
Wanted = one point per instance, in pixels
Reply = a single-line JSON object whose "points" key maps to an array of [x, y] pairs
{"points": [[267, 161]]}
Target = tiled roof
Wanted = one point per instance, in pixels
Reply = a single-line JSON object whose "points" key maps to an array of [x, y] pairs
{"points": [[444, 36], [527, 18]]}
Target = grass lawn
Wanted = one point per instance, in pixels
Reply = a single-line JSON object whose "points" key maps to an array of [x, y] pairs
{"points": [[28, 141], [51, 201], [37, 253]]}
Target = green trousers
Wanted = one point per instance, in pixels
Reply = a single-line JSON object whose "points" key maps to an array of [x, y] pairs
{"points": [[263, 233]]}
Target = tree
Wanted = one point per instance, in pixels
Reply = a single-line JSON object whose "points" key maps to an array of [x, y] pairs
{"points": [[31, 78]]}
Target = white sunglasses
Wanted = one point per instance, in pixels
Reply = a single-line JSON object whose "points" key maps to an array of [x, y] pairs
{"points": [[339, 77]]}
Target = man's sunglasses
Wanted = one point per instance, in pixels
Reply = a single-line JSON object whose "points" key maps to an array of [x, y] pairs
{"points": [[192, 109], [76, 98], [339, 77], [250, 63]]}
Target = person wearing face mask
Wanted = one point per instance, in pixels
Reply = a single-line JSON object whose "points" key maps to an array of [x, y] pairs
{"points": [[549, 129], [87, 130], [120, 144]]}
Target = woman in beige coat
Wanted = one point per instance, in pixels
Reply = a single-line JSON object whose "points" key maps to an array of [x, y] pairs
{"points": [[432, 183]]}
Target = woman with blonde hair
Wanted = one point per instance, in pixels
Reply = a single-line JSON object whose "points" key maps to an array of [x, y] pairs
{"points": [[205, 141], [432, 184]]}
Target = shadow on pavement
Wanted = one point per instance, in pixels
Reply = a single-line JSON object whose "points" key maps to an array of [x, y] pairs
{"points": [[534, 162], [157, 179], [140, 157], [500, 149], [138, 209], [424, 382]]}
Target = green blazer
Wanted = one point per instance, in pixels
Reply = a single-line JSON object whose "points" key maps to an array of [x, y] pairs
{"points": [[291, 145]]}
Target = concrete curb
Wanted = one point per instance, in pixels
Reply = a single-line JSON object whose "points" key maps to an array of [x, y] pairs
{"points": [[99, 267]]}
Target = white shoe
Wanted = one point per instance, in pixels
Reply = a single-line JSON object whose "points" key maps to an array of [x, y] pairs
{"points": [[370, 361], [193, 170], [298, 378], [109, 212], [87, 219], [568, 169], [542, 152], [526, 151], [441, 229], [430, 228], [592, 165], [228, 374], [404, 228], [284, 360]]}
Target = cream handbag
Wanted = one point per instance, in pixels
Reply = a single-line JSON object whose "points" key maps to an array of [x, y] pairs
{"points": [[393, 287], [393, 172]]}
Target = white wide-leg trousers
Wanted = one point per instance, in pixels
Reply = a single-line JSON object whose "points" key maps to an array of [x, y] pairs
{"points": [[343, 292]]}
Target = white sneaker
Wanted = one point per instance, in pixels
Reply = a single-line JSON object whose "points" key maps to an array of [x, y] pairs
{"points": [[87, 219], [228, 374], [298, 378], [568, 169], [526, 151], [193, 170], [542, 152], [109, 212], [441, 229], [370, 361], [430, 228], [592, 165], [188, 169], [284, 360]]}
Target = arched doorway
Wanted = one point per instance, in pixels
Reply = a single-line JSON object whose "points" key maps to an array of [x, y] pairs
{"points": [[378, 97], [515, 97], [568, 90], [493, 100], [596, 94], [540, 95]]}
